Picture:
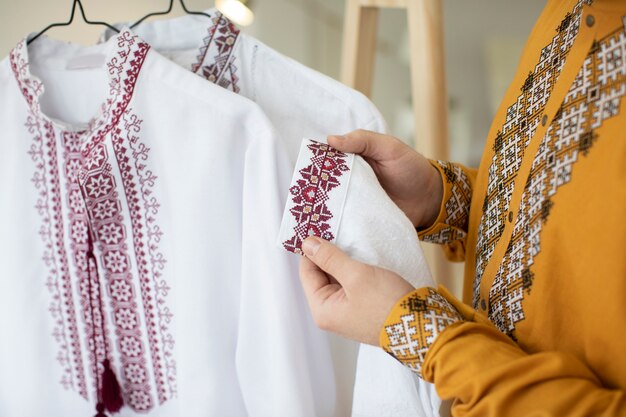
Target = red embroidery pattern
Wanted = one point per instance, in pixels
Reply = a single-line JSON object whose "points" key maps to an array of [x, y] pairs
{"points": [[146, 237], [104, 205], [123, 70], [311, 192], [78, 234], [216, 61], [43, 152], [103, 202], [31, 88]]}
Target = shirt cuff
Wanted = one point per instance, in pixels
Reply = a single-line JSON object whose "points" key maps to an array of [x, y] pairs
{"points": [[452, 220], [414, 324], [317, 195]]}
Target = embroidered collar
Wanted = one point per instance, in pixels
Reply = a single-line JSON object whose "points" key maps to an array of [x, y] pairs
{"points": [[217, 37], [215, 60], [127, 53]]}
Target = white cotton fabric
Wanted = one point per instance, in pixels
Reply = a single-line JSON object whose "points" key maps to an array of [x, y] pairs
{"points": [[369, 227], [184, 184], [375, 231]]}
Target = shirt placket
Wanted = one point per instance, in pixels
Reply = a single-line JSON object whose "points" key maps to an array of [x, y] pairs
{"points": [[582, 44]]}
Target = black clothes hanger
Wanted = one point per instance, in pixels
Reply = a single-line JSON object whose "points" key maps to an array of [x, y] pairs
{"points": [[69, 22], [169, 9]]}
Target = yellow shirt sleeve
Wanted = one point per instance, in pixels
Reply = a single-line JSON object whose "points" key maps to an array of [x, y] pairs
{"points": [[450, 227], [470, 360]]}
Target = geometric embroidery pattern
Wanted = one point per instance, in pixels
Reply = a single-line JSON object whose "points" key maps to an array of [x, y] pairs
{"points": [[414, 324], [102, 200], [310, 193], [456, 207], [78, 233], [45, 152], [522, 119], [594, 97], [216, 61], [137, 183]]}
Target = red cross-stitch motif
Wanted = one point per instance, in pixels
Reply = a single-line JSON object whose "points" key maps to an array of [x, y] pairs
{"points": [[216, 61], [311, 193]]}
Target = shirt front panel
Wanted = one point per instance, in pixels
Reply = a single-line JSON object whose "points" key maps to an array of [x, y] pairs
{"points": [[545, 225]]}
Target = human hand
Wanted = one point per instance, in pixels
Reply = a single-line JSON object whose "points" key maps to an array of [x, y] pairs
{"points": [[345, 296], [408, 178]]}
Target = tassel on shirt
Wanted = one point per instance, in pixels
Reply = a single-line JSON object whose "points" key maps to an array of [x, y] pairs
{"points": [[100, 410], [111, 393]]}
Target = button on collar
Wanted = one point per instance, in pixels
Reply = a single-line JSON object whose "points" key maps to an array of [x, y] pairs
{"points": [[590, 20]]}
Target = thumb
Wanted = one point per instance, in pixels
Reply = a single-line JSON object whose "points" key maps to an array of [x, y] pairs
{"points": [[332, 260]]}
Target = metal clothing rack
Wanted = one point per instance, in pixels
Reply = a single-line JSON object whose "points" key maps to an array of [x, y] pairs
{"points": [[428, 85]]}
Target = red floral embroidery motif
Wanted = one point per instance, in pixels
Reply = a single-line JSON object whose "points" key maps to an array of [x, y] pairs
{"points": [[311, 192], [59, 282], [123, 72], [87, 282], [216, 61], [150, 262], [47, 179], [100, 190]]}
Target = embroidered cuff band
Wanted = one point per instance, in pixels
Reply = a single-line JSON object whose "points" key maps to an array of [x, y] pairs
{"points": [[451, 223], [317, 194], [413, 325]]}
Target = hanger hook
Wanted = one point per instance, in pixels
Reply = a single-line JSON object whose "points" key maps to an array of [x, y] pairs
{"points": [[82, 10], [71, 19], [169, 9]]}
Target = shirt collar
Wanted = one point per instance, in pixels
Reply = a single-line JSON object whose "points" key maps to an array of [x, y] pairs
{"points": [[125, 54]]}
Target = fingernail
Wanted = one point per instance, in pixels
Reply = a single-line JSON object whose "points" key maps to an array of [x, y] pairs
{"points": [[310, 246]]}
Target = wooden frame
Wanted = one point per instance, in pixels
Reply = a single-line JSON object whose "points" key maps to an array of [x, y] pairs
{"points": [[428, 85]]}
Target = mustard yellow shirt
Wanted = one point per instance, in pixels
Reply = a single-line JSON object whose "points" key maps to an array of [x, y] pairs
{"points": [[541, 226]]}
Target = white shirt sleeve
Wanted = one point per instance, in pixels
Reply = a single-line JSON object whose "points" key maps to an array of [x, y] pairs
{"points": [[283, 360], [337, 196]]}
